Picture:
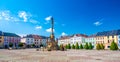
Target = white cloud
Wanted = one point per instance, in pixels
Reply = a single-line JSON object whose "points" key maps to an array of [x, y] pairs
{"points": [[38, 27], [97, 23], [24, 15], [49, 30], [63, 34], [5, 15], [48, 18], [34, 21], [8, 16]]}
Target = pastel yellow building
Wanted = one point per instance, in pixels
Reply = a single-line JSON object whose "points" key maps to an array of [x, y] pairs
{"points": [[106, 40], [1, 41], [107, 37], [109, 40]]}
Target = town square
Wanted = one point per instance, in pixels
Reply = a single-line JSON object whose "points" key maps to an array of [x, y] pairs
{"points": [[31, 55], [60, 31]]}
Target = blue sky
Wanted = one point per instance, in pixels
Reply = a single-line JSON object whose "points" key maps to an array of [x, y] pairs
{"points": [[70, 16]]}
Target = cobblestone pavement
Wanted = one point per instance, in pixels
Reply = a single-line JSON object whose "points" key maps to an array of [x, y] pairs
{"points": [[31, 55]]}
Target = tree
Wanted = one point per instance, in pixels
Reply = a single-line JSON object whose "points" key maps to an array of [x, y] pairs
{"points": [[90, 46], [20, 44], [113, 46], [10, 44], [61, 47], [86, 46], [77, 46], [81, 46], [73, 46], [66, 46], [33, 45], [102, 46], [69, 46], [98, 46]]}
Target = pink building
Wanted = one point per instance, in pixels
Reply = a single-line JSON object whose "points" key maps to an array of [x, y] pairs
{"points": [[11, 38]]}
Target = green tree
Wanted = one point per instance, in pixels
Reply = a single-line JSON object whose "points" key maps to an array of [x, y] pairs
{"points": [[73, 46], [102, 46], [98, 46], [77, 46], [81, 46], [90, 46], [86, 46], [10, 44], [20, 44], [66, 46], [69, 46], [113, 46], [33, 45], [61, 47]]}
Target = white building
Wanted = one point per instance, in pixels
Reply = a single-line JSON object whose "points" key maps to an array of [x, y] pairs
{"points": [[118, 41], [92, 40], [44, 40], [64, 40], [80, 38], [37, 40], [27, 40]]}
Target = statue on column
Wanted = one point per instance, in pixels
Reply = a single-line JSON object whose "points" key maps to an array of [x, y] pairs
{"points": [[52, 44]]}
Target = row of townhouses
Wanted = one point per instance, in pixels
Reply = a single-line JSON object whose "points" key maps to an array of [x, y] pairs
{"points": [[31, 39], [7, 38], [105, 37]]}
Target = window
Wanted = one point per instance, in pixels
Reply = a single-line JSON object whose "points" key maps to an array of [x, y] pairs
{"points": [[107, 36], [113, 36], [108, 41]]}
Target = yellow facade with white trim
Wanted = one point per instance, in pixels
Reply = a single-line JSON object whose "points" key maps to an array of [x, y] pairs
{"points": [[1, 41], [106, 40]]}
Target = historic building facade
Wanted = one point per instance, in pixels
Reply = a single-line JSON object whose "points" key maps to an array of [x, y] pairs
{"points": [[1, 39], [118, 41], [11, 38], [28, 40], [64, 40], [107, 37], [37, 40], [91, 39], [73, 39]]}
